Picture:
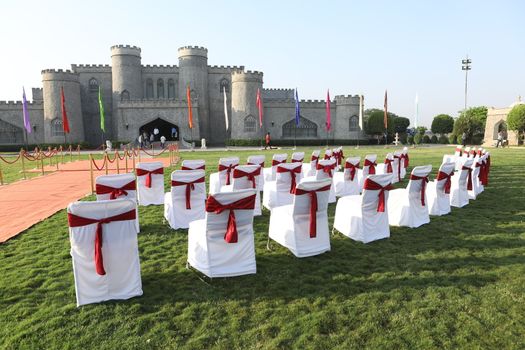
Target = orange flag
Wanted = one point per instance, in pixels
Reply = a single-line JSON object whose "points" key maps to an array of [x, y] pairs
{"points": [[190, 113], [386, 113]]}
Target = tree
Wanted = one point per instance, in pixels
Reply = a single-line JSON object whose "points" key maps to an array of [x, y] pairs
{"points": [[442, 124], [516, 119], [421, 130], [401, 124], [375, 123], [472, 122]]}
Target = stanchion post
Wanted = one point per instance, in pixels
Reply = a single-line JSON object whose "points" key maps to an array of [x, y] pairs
{"points": [[62, 154], [1, 175], [91, 172], [78, 149], [126, 160], [42, 161], [106, 161], [23, 163], [70, 153], [133, 158], [117, 161], [49, 150], [139, 155]]}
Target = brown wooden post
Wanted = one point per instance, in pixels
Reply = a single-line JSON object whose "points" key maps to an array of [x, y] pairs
{"points": [[91, 173], [133, 158], [139, 157], [78, 149], [117, 161], [42, 161], [126, 159], [1, 175], [70, 153], [23, 163], [106, 161]]}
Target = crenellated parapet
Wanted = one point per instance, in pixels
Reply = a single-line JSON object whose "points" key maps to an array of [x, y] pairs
{"points": [[224, 69], [247, 76], [290, 102], [130, 50], [91, 68], [18, 104], [277, 94], [348, 99], [59, 75], [161, 69], [157, 103], [192, 51]]}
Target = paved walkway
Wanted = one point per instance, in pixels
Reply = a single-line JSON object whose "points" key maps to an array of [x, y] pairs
{"points": [[27, 202]]}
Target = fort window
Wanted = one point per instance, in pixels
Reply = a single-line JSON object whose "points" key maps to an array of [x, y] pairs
{"points": [[171, 88], [124, 95], [305, 129], [149, 88], [93, 85], [249, 123], [160, 88], [56, 127], [353, 123], [225, 86]]}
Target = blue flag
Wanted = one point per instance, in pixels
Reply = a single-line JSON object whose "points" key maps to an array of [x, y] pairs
{"points": [[297, 108]]}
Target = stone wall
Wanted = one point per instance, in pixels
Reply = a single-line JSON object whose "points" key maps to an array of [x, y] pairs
{"points": [[11, 113]]}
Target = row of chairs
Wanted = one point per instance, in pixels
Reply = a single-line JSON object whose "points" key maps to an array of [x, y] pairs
{"points": [[220, 236]]}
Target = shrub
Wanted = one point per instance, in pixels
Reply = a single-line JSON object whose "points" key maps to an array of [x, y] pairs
{"points": [[410, 139], [418, 138], [434, 139], [452, 139], [443, 140], [403, 138], [426, 139]]}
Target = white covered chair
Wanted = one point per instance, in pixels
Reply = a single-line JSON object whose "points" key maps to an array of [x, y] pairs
{"points": [[325, 170], [477, 187], [258, 160], [388, 167], [460, 184], [459, 151], [408, 206], [346, 183], [302, 227], [185, 202], [224, 175], [339, 156], [328, 154], [369, 168], [193, 164], [117, 186], [405, 162], [297, 157], [104, 249], [364, 217], [280, 192], [222, 244], [150, 183], [309, 169], [247, 177], [438, 191], [398, 164], [270, 173]]}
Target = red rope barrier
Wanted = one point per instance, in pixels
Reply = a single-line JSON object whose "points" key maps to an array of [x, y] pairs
{"points": [[96, 166], [123, 156], [154, 155], [8, 162]]}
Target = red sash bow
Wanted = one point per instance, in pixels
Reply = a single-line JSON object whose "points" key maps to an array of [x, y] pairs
{"points": [[372, 185], [292, 172], [441, 176], [469, 183], [276, 162], [327, 156], [76, 221], [251, 176], [313, 206], [326, 168], [203, 167], [423, 185], [260, 164], [353, 169], [458, 150], [371, 166], [297, 160], [190, 186], [142, 172], [116, 192], [407, 159], [388, 163], [399, 158], [228, 169], [314, 159], [212, 205]]}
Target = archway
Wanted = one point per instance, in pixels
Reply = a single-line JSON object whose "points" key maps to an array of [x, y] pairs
{"points": [[166, 129], [499, 126], [11, 134]]}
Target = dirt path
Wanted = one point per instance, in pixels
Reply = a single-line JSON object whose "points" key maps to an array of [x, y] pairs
{"points": [[27, 202]]}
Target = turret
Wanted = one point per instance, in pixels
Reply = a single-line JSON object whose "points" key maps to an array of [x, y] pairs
{"points": [[244, 107], [53, 81], [347, 118], [126, 73], [193, 71]]}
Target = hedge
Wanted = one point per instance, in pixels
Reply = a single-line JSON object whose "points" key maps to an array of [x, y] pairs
{"points": [[287, 142]]}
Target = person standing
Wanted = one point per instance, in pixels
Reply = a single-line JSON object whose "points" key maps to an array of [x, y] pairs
{"points": [[141, 145], [155, 132], [151, 139], [464, 139], [162, 141], [268, 141], [500, 139]]}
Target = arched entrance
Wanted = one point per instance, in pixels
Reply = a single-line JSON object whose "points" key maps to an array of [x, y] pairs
{"points": [[500, 126], [166, 129], [11, 134]]}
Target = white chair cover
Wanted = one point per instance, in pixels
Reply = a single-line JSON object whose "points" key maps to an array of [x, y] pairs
{"points": [[338, 154], [326, 170], [398, 165], [328, 154], [458, 189], [241, 181], [405, 162], [437, 197], [309, 169], [119, 251], [459, 150], [476, 184], [297, 157], [185, 202], [365, 169], [220, 178], [208, 250], [346, 183], [270, 173], [295, 227], [280, 192], [359, 217], [153, 195], [388, 167], [193, 164], [409, 206], [258, 160]]}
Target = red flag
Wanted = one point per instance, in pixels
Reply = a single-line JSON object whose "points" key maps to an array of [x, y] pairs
{"points": [[65, 122], [328, 116], [190, 113], [260, 106], [385, 121]]}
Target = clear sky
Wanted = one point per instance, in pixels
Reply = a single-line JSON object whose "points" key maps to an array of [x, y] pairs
{"points": [[351, 47]]}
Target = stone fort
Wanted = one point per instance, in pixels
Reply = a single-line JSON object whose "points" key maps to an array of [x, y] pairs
{"points": [[143, 97]]}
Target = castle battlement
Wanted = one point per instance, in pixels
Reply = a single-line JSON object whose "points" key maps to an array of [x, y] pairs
{"points": [[247, 76], [290, 103], [346, 99], [157, 103], [193, 51], [91, 68], [278, 89], [224, 69], [189, 47], [82, 66], [59, 75], [125, 50], [18, 104], [120, 46], [166, 69]]}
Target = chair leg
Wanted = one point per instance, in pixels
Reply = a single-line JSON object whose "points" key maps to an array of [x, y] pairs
{"points": [[268, 246]]}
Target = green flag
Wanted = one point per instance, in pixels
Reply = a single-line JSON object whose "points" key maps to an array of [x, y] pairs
{"points": [[101, 108]]}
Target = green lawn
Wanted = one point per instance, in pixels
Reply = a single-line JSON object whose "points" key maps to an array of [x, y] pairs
{"points": [[458, 282]]}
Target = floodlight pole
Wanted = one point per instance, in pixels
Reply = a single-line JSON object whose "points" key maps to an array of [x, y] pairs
{"points": [[465, 65]]}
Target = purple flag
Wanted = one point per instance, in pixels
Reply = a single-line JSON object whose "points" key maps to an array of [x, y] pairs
{"points": [[25, 112]]}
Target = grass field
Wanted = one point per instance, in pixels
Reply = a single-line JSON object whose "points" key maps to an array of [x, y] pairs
{"points": [[458, 282]]}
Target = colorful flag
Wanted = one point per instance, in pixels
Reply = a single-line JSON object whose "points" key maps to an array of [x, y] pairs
{"points": [[417, 110], [328, 116], [25, 112], [190, 113], [101, 109], [385, 119], [297, 108], [226, 109], [361, 110], [65, 122], [260, 106]]}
